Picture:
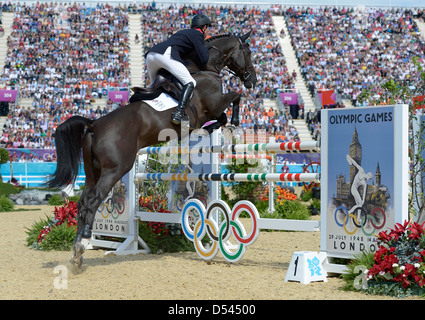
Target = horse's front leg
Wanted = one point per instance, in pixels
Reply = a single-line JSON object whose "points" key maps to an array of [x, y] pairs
{"points": [[232, 98], [220, 122], [235, 109]]}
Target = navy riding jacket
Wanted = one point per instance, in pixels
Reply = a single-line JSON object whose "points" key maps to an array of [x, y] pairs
{"points": [[183, 43]]}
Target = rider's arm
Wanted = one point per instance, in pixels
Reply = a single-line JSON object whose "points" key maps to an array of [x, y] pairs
{"points": [[200, 48]]}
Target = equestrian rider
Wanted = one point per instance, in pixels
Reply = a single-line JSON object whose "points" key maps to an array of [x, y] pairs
{"points": [[170, 54]]}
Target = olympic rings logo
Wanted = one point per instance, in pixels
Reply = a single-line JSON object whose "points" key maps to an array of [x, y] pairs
{"points": [[219, 232], [368, 223]]}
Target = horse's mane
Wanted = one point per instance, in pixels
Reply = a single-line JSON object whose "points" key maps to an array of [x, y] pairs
{"points": [[220, 36]]}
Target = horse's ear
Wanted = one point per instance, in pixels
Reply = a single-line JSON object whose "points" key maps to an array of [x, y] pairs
{"points": [[246, 36]]}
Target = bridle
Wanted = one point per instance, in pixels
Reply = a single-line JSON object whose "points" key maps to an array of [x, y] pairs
{"points": [[243, 72]]}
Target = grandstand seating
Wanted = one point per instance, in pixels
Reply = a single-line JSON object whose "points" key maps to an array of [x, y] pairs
{"points": [[350, 50], [64, 58]]}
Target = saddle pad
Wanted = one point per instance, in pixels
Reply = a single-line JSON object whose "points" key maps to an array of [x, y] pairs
{"points": [[162, 102]]}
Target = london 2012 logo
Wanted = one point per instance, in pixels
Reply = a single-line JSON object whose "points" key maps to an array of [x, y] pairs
{"points": [[220, 224]]}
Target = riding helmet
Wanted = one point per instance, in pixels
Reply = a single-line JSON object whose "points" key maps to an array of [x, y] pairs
{"points": [[200, 20]]}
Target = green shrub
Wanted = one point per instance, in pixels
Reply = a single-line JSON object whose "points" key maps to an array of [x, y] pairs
{"points": [[75, 198], [61, 238], [6, 205], [34, 231], [291, 209], [55, 200], [7, 188], [315, 203], [262, 207], [306, 195]]}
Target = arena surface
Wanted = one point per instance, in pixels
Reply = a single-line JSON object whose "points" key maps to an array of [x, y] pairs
{"points": [[29, 274]]}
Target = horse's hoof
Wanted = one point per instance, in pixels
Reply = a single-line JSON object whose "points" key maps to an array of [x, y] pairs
{"points": [[78, 262], [78, 254], [231, 128]]}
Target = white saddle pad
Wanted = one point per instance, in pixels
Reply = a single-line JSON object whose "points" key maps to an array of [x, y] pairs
{"points": [[162, 102]]}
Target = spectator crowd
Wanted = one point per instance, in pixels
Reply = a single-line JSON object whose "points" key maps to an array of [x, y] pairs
{"points": [[267, 58], [353, 49], [65, 55]]}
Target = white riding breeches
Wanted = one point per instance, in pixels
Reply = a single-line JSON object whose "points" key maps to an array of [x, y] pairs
{"points": [[156, 61]]}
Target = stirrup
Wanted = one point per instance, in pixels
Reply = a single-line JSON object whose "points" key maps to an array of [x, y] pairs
{"points": [[181, 119], [178, 116]]}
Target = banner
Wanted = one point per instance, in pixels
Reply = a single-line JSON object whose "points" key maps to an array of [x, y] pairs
{"points": [[8, 95], [364, 179], [112, 216], [32, 155], [332, 97], [328, 98], [118, 96], [290, 98]]}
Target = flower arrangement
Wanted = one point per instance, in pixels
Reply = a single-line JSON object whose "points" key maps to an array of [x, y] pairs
{"points": [[284, 194], [155, 205], [400, 258], [66, 213], [151, 205], [160, 236], [57, 232]]}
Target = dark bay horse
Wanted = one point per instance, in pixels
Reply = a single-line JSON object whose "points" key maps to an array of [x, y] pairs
{"points": [[110, 143]]}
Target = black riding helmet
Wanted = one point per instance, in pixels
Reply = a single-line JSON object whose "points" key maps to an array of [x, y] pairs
{"points": [[200, 20]]}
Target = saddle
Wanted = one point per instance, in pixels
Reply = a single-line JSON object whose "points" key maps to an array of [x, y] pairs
{"points": [[164, 82]]}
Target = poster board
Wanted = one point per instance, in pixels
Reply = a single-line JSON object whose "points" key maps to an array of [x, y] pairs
{"points": [[112, 216], [362, 149]]}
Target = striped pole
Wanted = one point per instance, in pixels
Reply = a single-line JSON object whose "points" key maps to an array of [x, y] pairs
{"points": [[246, 156], [229, 177], [300, 146]]}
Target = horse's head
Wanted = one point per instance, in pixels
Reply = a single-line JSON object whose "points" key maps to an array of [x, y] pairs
{"points": [[245, 68], [233, 52]]}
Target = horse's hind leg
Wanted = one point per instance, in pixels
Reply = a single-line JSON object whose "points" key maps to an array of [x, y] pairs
{"points": [[83, 233], [90, 202], [92, 175], [80, 245]]}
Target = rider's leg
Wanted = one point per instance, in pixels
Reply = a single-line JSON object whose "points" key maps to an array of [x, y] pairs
{"points": [[156, 61], [153, 64], [185, 96], [189, 84], [179, 70]]}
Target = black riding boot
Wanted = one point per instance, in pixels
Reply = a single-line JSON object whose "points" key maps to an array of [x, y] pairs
{"points": [[186, 94]]}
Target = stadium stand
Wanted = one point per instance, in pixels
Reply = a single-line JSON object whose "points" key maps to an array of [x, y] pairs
{"points": [[65, 57], [350, 50]]}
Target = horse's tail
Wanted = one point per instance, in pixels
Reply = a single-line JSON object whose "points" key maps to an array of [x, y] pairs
{"points": [[69, 138]]}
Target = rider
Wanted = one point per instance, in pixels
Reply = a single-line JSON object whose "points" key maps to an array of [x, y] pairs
{"points": [[170, 53]]}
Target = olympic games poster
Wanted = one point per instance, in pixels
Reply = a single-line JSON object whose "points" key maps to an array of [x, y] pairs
{"points": [[112, 216], [364, 176]]}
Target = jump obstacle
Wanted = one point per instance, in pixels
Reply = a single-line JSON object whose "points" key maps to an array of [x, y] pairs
{"points": [[219, 231]]}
